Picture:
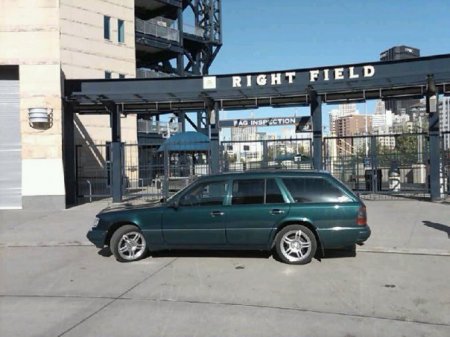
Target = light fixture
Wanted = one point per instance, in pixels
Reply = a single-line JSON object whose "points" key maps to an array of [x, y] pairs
{"points": [[40, 118]]}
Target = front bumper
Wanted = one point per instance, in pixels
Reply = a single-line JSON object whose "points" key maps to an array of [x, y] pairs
{"points": [[97, 237]]}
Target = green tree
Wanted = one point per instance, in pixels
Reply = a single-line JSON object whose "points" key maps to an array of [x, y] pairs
{"points": [[406, 147]]}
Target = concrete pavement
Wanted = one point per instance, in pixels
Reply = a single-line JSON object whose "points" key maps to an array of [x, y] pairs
{"points": [[54, 283], [399, 226]]}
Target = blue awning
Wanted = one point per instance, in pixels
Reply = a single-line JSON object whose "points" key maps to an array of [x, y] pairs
{"points": [[186, 142]]}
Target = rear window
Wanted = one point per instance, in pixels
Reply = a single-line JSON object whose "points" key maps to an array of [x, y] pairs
{"points": [[314, 189]]}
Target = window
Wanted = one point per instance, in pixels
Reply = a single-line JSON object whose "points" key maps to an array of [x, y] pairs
{"points": [[107, 74], [206, 194], [121, 76], [248, 192], [120, 31], [273, 193], [314, 189], [106, 27]]}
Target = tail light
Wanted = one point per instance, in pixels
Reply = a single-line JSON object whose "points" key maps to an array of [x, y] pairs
{"points": [[361, 220]]}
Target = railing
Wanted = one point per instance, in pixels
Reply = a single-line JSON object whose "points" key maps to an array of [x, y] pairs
{"points": [[194, 30], [160, 27], [145, 126], [156, 28], [150, 73]]}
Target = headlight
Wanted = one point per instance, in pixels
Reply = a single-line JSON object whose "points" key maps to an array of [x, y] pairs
{"points": [[96, 221]]}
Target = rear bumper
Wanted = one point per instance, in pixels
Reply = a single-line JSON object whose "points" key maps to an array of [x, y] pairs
{"points": [[97, 237], [338, 237], [363, 234]]}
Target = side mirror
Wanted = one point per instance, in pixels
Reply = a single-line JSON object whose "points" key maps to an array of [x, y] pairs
{"points": [[173, 204]]}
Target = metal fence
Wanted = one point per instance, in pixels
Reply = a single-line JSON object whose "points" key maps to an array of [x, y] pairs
{"points": [[445, 160], [93, 175], [265, 154], [376, 166], [147, 172], [384, 165]]}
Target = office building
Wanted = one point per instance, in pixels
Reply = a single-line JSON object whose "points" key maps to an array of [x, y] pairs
{"points": [[44, 42], [394, 54]]}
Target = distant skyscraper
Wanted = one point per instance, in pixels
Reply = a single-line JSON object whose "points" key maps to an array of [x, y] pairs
{"points": [[393, 54], [341, 111], [381, 119]]}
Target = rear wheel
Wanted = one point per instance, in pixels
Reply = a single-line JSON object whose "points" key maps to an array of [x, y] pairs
{"points": [[296, 244], [128, 244]]}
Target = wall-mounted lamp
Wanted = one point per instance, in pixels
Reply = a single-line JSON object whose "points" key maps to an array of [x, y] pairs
{"points": [[40, 118]]}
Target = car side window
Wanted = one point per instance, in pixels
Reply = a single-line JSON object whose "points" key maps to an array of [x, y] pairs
{"points": [[314, 189], [206, 194], [273, 193], [249, 191]]}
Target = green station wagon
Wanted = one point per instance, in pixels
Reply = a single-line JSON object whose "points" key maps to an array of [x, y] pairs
{"points": [[293, 213]]}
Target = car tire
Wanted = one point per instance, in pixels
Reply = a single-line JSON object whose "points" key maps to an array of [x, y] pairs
{"points": [[128, 244], [295, 244]]}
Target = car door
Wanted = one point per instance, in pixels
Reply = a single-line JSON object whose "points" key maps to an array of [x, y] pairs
{"points": [[257, 206], [197, 220]]}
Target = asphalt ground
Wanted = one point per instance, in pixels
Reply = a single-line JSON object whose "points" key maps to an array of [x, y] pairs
{"points": [[54, 283]]}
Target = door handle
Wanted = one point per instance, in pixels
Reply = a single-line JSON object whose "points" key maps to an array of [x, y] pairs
{"points": [[216, 213], [276, 211]]}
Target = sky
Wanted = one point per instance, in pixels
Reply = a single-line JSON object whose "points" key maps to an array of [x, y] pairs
{"points": [[265, 35]]}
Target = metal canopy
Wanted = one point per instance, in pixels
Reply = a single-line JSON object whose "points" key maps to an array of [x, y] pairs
{"points": [[339, 83], [186, 142]]}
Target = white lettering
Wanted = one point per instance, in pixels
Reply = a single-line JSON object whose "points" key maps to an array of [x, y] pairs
{"points": [[236, 81], [261, 79], [290, 76], [276, 78], [352, 73], [369, 71], [313, 75], [339, 73]]}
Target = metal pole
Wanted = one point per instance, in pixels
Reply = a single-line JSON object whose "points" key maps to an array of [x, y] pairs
{"points": [[316, 114], [213, 123], [116, 153], [373, 155], [265, 154], [166, 173], [69, 155], [433, 131]]}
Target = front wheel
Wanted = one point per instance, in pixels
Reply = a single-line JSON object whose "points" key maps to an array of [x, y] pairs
{"points": [[296, 244], [128, 244]]}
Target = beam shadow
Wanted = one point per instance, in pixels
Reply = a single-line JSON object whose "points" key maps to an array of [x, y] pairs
{"points": [[438, 226]]}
